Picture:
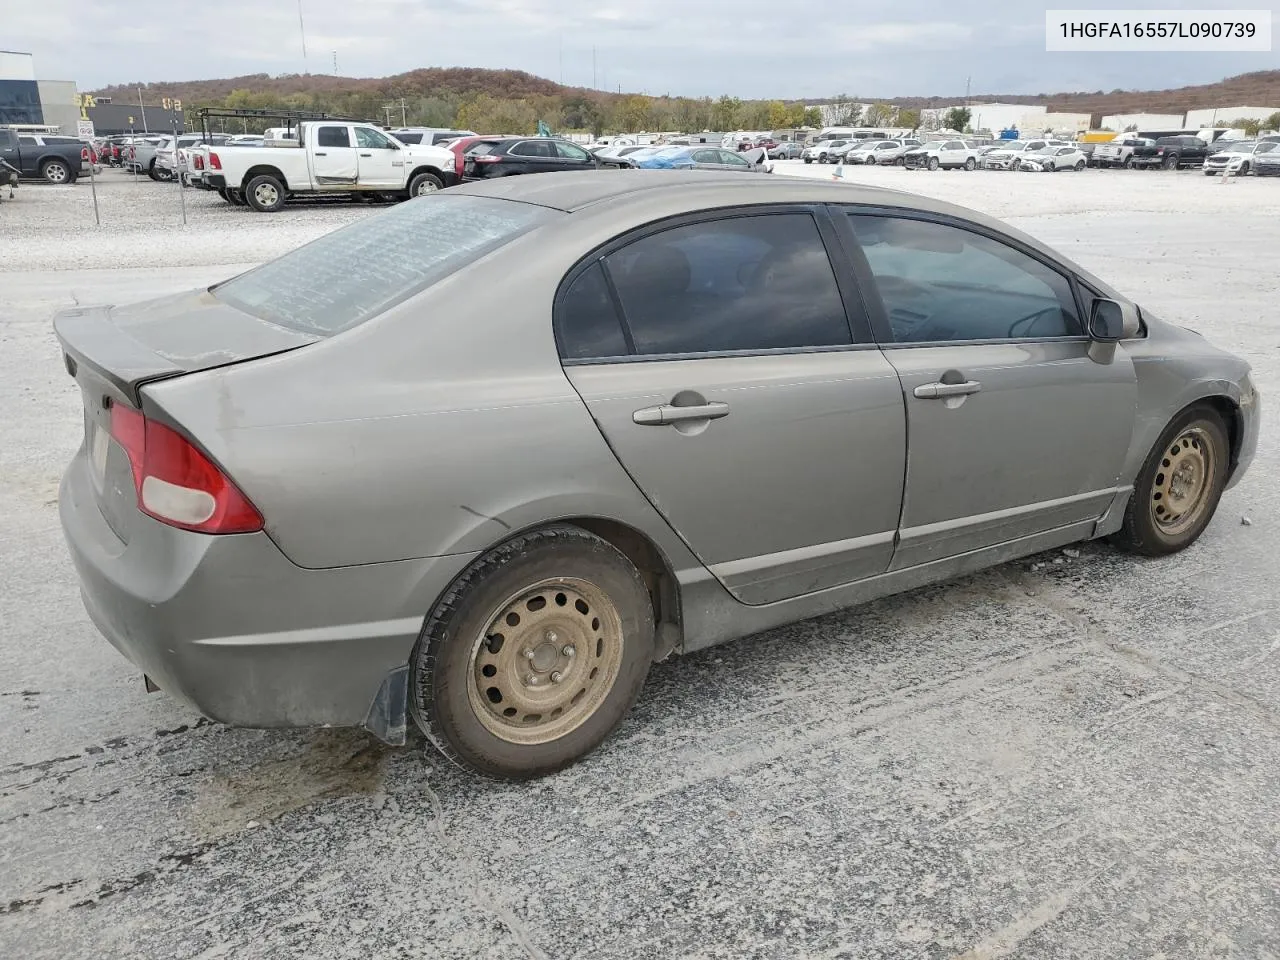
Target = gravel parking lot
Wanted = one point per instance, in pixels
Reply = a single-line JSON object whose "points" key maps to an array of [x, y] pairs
{"points": [[1073, 756]]}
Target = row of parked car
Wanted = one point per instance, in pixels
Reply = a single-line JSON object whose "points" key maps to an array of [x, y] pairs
{"points": [[1259, 156]]}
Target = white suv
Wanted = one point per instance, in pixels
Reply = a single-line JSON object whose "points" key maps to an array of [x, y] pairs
{"points": [[944, 154], [822, 151]]}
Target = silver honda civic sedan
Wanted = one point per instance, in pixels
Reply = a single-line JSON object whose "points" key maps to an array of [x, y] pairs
{"points": [[479, 460]]}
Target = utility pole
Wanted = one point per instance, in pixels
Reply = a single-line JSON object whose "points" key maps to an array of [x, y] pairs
{"points": [[144, 111], [967, 82], [335, 63]]}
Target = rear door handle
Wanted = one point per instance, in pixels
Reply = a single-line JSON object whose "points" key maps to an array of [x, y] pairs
{"points": [[668, 413], [937, 391], [320, 154], [366, 154]]}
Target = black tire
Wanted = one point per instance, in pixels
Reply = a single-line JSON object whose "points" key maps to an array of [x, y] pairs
{"points": [[443, 672], [57, 171], [1244, 169], [808, 159], [1128, 163], [971, 164], [151, 170], [1171, 162], [934, 163], [1141, 533], [423, 184], [899, 162], [1080, 165], [265, 193]]}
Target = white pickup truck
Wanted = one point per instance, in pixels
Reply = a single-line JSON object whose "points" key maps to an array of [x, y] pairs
{"points": [[330, 157]]}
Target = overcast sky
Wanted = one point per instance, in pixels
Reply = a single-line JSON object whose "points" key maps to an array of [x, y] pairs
{"points": [[747, 48]]}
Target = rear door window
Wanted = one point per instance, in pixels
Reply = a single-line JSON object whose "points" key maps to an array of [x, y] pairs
{"points": [[750, 283], [587, 322], [365, 268], [333, 137]]}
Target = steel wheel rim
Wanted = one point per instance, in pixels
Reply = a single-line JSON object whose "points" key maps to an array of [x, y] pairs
{"points": [[426, 187], [1183, 481], [545, 662], [266, 194]]}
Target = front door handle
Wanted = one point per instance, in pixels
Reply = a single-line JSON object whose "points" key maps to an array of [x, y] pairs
{"points": [[320, 154], [937, 391], [366, 154], [669, 413]]}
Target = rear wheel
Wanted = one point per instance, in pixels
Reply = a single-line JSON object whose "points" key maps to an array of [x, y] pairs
{"points": [[151, 171], [534, 655], [56, 171], [1179, 486], [1171, 162], [1080, 165], [265, 193], [971, 164]]}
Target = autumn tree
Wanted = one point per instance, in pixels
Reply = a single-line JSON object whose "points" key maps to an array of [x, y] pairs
{"points": [[726, 113], [777, 116], [1249, 125], [1272, 122], [878, 115], [812, 117], [907, 118], [486, 114], [632, 114]]}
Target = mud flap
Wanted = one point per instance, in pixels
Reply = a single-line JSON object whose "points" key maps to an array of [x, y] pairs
{"points": [[387, 714]]}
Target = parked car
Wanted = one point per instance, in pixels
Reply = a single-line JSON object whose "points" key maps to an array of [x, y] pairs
{"points": [[431, 136], [616, 156], [514, 156], [888, 157], [459, 146], [1119, 152], [552, 518], [1008, 154], [703, 158], [140, 154], [870, 151], [1246, 152], [941, 154], [330, 158], [822, 150], [787, 150], [1049, 159], [1170, 153], [53, 159], [1267, 164]]}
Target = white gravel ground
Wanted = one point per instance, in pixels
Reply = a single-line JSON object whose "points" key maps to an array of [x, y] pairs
{"points": [[1068, 759]]}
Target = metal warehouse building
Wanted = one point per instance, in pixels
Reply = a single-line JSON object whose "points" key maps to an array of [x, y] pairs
{"points": [[24, 99]]}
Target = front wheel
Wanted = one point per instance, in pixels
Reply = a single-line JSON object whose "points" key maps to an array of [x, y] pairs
{"points": [[1080, 165], [971, 164], [424, 184], [535, 654], [265, 193], [1244, 169], [1179, 486], [808, 159], [934, 163]]}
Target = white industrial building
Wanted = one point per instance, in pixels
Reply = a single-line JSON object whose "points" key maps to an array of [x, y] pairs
{"points": [[1226, 116], [1121, 122], [1058, 123]]}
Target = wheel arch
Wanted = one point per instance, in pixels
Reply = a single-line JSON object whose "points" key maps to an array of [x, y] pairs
{"points": [[1233, 418], [646, 556], [263, 170], [426, 168]]}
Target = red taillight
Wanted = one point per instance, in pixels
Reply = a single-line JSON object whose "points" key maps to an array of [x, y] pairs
{"points": [[176, 483], [215, 162], [84, 153], [487, 158]]}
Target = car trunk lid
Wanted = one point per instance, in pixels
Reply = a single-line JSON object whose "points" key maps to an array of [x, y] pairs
{"points": [[113, 352]]}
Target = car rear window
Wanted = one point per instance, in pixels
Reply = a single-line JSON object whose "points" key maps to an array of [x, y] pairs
{"points": [[408, 137], [354, 273]]}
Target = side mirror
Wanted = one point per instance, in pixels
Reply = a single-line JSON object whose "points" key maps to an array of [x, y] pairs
{"points": [[1106, 321], [1110, 321]]}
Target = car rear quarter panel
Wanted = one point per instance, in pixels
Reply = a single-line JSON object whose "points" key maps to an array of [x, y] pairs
{"points": [[441, 427]]}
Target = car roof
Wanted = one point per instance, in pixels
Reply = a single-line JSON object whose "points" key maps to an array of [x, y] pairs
{"points": [[575, 190]]}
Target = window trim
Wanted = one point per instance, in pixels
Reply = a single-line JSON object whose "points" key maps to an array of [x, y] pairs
{"points": [[857, 318], [881, 328]]}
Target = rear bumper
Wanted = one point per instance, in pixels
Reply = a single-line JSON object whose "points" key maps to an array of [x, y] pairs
{"points": [[231, 627], [214, 181]]}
